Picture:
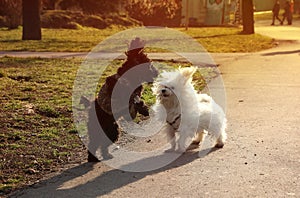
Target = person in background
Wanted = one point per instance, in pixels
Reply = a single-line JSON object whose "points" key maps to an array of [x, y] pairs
{"points": [[237, 12], [276, 9], [287, 12], [290, 20]]}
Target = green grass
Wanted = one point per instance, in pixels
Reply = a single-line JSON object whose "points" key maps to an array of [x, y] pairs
{"points": [[37, 128], [222, 40], [58, 40], [32, 140], [213, 39]]}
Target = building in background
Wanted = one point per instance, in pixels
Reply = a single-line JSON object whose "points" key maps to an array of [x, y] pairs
{"points": [[217, 12], [205, 12]]}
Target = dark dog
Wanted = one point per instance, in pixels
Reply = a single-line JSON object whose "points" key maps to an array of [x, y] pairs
{"points": [[102, 127]]}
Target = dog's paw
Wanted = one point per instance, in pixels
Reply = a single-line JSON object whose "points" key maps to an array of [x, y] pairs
{"points": [[219, 145], [180, 150], [107, 156], [193, 146], [171, 150], [195, 142], [92, 158]]}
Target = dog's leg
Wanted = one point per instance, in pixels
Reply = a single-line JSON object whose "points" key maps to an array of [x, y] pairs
{"points": [[172, 138], [109, 135], [198, 138], [223, 136], [181, 142], [93, 133], [104, 152], [92, 157], [221, 139], [104, 131]]}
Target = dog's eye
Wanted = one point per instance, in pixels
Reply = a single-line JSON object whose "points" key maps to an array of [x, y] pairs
{"points": [[172, 87]]}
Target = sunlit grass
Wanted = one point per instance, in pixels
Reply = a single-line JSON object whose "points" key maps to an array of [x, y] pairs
{"points": [[57, 40], [217, 39], [35, 103], [213, 39]]}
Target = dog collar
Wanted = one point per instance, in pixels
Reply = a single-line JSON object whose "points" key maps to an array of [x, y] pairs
{"points": [[174, 122]]}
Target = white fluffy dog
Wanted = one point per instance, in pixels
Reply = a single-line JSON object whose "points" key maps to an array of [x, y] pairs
{"points": [[185, 111]]}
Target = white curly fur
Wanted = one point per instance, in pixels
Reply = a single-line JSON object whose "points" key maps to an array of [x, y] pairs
{"points": [[185, 111]]}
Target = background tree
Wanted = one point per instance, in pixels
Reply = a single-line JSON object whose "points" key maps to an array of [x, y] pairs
{"points": [[154, 12], [31, 20], [247, 16], [89, 6], [11, 10], [49, 4]]}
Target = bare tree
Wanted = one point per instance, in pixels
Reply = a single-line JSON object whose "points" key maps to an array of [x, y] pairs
{"points": [[31, 20], [247, 15]]}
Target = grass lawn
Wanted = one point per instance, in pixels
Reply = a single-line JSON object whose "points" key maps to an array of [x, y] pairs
{"points": [[222, 40], [37, 134], [56, 40], [214, 39]]}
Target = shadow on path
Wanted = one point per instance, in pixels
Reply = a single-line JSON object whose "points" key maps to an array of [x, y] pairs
{"points": [[281, 53], [106, 182]]}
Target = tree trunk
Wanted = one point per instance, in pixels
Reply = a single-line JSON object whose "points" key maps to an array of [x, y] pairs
{"points": [[31, 20], [247, 15]]}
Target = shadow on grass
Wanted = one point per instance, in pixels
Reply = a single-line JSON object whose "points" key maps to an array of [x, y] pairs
{"points": [[103, 184], [11, 41], [213, 36], [44, 40]]}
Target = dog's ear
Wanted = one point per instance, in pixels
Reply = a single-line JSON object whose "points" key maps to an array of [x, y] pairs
{"points": [[188, 72]]}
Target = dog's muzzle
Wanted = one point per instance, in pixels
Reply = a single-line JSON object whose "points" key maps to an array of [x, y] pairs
{"points": [[165, 92]]}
